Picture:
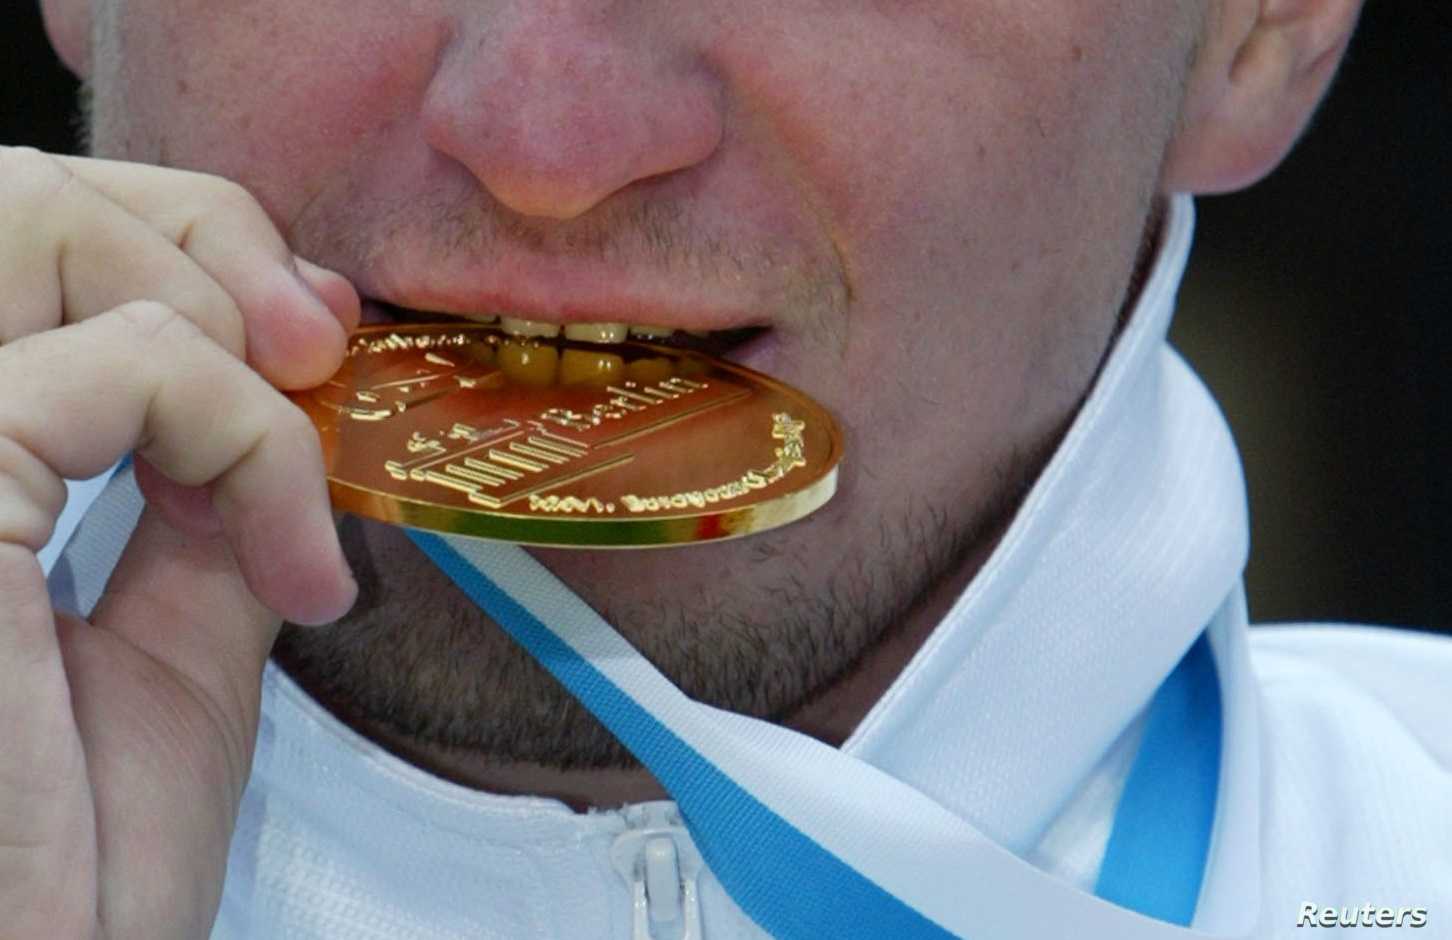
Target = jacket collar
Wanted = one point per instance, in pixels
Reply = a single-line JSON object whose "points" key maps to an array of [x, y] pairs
{"points": [[1127, 545], [1130, 543]]}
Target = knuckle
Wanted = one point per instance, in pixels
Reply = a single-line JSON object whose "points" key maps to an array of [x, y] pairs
{"points": [[234, 207], [294, 427], [217, 314], [21, 521], [233, 327], [290, 438], [234, 199], [152, 320], [30, 178], [20, 572], [33, 480]]}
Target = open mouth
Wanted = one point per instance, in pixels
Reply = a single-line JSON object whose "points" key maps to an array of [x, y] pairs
{"points": [[718, 343]]}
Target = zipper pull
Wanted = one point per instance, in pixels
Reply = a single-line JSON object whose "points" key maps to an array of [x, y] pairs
{"points": [[659, 862]]}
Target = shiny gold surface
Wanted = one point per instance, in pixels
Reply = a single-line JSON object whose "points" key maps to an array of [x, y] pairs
{"points": [[461, 428]]}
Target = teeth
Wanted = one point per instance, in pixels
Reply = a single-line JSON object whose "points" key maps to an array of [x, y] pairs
{"points": [[586, 367], [650, 371], [521, 327], [596, 332], [586, 332], [529, 364]]}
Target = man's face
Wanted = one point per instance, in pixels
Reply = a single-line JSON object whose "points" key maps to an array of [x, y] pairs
{"points": [[934, 205]]}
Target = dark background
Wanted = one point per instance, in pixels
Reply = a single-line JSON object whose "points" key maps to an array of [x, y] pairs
{"points": [[1318, 308]]}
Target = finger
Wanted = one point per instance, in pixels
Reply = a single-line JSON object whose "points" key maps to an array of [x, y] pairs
{"points": [[188, 509], [143, 377], [337, 292], [181, 641], [31, 497], [45, 808], [84, 254], [184, 601], [229, 234], [46, 814]]}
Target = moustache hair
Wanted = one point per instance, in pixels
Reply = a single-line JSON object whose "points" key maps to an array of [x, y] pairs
{"points": [[641, 230]]}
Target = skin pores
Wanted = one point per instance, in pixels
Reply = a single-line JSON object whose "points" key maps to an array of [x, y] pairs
{"points": [[936, 206]]}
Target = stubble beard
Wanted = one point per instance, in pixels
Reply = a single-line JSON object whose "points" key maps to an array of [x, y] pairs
{"points": [[416, 661]]}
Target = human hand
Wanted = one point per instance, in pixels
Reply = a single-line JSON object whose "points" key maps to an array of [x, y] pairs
{"points": [[151, 311]]}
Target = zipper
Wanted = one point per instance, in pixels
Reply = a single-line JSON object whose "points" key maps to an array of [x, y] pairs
{"points": [[660, 864]]}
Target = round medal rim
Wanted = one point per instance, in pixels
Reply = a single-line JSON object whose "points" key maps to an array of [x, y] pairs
{"points": [[659, 530]]}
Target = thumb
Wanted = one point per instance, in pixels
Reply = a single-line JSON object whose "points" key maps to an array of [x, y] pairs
{"points": [[181, 599], [166, 688]]}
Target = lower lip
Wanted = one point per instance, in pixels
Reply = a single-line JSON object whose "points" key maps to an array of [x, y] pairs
{"points": [[759, 353], [374, 315]]}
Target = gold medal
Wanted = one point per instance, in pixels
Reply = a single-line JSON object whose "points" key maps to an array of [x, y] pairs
{"points": [[458, 427]]}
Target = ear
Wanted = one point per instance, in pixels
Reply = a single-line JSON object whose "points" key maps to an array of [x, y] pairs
{"points": [[68, 24], [1263, 67]]}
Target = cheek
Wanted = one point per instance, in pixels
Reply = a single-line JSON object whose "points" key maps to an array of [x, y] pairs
{"points": [[985, 181], [275, 94]]}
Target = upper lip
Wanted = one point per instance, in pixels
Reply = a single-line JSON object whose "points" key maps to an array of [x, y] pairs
{"points": [[569, 293]]}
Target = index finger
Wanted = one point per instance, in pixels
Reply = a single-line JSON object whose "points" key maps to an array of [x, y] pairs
{"points": [[220, 226], [145, 378]]}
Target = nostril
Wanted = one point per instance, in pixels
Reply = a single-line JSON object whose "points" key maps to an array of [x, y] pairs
{"points": [[553, 121]]}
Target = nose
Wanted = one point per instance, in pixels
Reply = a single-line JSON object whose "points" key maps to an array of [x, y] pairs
{"points": [[553, 109]]}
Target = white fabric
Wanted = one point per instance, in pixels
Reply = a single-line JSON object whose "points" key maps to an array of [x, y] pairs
{"points": [[80, 494], [916, 853], [1020, 714]]}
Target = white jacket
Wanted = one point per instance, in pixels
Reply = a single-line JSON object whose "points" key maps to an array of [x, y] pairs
{"points": [[1021, 714]]}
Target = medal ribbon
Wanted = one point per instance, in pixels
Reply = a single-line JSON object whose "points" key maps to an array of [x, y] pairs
{"points": [[811, 842]]}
